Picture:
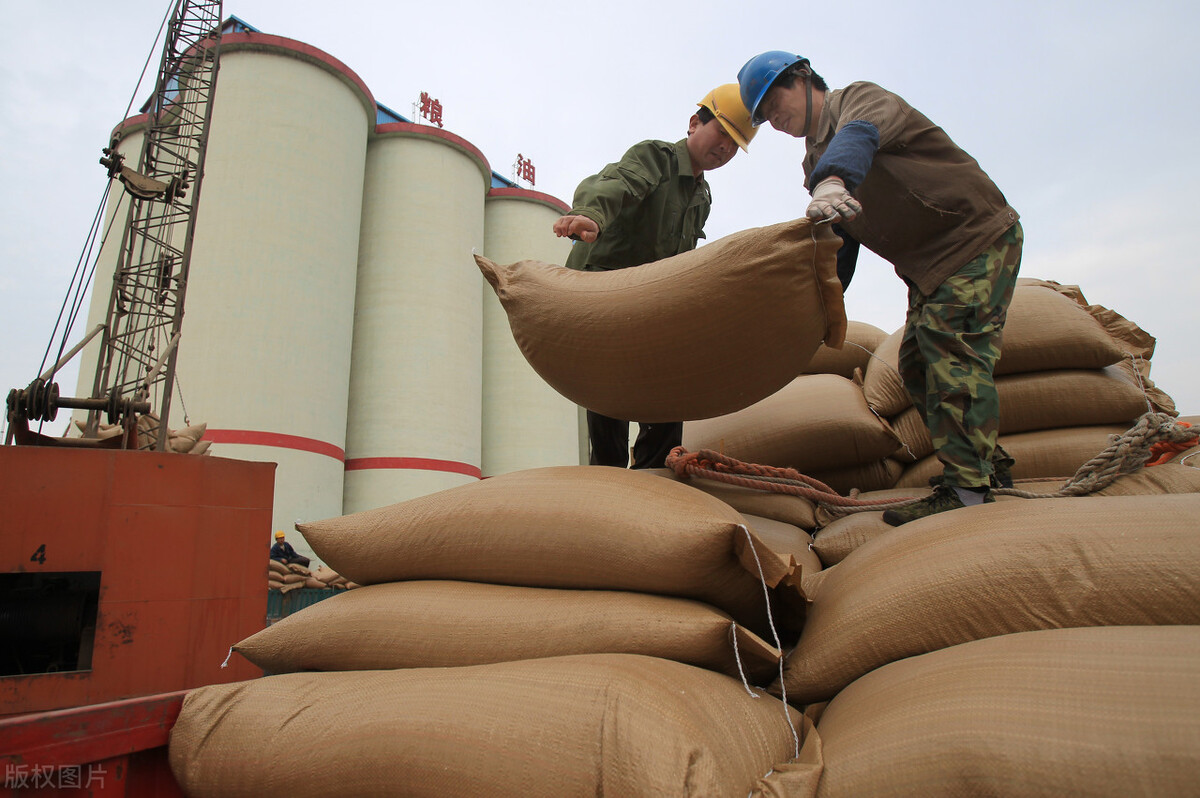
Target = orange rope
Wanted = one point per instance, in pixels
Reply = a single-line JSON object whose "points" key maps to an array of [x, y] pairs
{"points": [[707, 464], [1163, 451]]}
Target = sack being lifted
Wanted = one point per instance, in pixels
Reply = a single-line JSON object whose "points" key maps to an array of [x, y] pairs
{"points": [[697, 335]]}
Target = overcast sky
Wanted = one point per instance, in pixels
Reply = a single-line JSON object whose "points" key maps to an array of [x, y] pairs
{"points": [[1084, 113]]}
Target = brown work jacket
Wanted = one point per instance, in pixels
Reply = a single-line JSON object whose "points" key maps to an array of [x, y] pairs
{"points": [[928, 207]]}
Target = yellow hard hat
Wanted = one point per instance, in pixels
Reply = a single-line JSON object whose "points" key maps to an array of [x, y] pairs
{"points": [[725, 102], [278, 534]]}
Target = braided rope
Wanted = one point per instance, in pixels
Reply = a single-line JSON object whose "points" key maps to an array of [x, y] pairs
{"points": [[707, 464], [1125, 454]]}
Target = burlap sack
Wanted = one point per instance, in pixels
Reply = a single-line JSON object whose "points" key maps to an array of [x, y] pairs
{"points": [[875, 475], [1047, 330], [881, 384], [591, 527], [328, 575], [997, 569], [838, 535], [795, 510], [275, 566], [782, 540], [449, 624], [1043, 455], [861, 340], [916, 443], [588, 725], [816, 422], [1095, 711], [1070, 398], [693, 336], [1159, 479]]}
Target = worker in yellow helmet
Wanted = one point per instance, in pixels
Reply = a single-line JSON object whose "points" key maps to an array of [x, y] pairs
{"points": [[284, 553], [650, 205]]}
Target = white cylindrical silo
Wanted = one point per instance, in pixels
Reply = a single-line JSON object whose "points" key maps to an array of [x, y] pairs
{"points": [[264, 357], [416, 378], [526, 423]]}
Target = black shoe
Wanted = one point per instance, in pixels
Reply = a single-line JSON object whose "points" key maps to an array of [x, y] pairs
{"points": [[942, 499]]}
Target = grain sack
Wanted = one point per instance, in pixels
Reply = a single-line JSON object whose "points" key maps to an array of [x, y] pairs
{"points": [[781, 540], [996, 569], [1068, 398], [861, 341], [816, 422], [328, 575], [1159, 479], [795, 510], [1047, 330], [881, 385], [875, 475], [277, 567], [1045, 454], [693, 336], [449, 624], [1098, 711], [916, 442], [837, 536], [589, 725], [593, 527]]}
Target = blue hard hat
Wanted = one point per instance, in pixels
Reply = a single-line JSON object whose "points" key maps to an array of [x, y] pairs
{"points": [[757, 75]]}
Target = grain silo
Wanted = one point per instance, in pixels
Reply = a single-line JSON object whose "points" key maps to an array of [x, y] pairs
{"points": [[265, 352], [416, 382], [335, 316], [526, 423]]}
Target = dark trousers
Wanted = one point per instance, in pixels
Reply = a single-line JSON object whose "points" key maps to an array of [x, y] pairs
{"points": [[609, 439]]}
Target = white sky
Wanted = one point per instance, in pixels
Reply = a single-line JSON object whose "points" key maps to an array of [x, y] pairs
{"points": [[1084, 113]]}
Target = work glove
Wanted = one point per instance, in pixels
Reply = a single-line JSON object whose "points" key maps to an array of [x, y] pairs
{"points": [[831, 202]]}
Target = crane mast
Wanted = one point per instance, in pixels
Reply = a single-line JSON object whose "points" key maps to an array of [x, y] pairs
{"points": [[135, 370]]}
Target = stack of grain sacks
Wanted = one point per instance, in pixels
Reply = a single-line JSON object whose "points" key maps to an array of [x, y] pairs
{"points": [[818, 424], [596, 631], [293, 576], [560, 631], [1070, 375]]}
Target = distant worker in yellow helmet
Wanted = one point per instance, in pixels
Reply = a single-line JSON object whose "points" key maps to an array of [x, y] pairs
{"points": [[284, 553], [650, 205]]}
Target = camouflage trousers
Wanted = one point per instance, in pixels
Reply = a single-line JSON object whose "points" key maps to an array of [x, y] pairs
{"points": [[951, 343]]}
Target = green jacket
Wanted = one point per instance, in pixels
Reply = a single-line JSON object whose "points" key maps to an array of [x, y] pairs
{"points": [[648, 206]]}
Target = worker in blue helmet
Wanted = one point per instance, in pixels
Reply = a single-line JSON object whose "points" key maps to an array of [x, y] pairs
{"points": [[891, 180]]}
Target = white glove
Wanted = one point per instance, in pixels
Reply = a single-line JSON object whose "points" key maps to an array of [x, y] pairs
{"points": [[831, 202]]}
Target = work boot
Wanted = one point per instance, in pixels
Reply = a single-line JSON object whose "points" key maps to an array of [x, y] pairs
{"points": [[1002, 463], [942, 499]]}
